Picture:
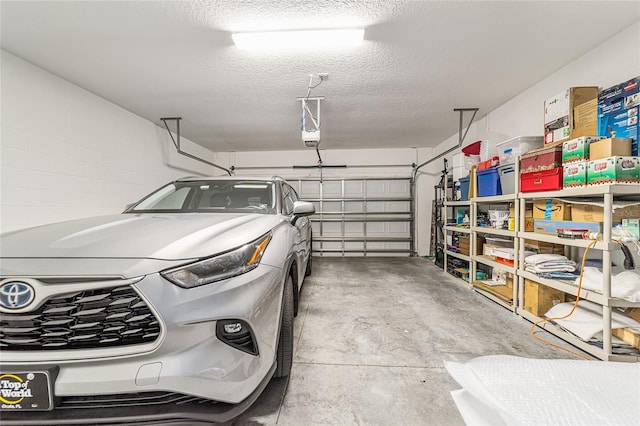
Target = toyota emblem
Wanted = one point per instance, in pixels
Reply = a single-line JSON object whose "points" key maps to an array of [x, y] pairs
{"points": [[16, 295]]}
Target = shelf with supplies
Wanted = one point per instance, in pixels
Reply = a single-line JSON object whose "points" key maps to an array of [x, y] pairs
{"points": [[568, 206], [593, 350], [457, 263], [580, 243], [457, 229], [458, 255], [569, 287], [493, 231], [501, 212], [526, 232]]}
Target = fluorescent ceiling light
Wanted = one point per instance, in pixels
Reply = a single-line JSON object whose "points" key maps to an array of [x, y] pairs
{"points": [[298, 39]]}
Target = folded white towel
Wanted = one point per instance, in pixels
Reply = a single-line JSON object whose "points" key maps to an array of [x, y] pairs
{"points": [[541, 258]]}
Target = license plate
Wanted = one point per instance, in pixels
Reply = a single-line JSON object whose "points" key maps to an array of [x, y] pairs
{"points": [[26, 391]]}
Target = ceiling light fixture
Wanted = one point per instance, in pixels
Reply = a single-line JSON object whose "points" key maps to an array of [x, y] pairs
{"points": [[298, 39]]}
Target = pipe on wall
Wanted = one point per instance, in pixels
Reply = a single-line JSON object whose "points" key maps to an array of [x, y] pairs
{"points": [[176, 143]]}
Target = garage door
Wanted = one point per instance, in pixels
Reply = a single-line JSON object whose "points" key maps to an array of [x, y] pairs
{"points": [[360, 217]]}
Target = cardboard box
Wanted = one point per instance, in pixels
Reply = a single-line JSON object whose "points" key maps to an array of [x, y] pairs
{"points": [[487, 251], [538, 298], [620, 170], [618, 112], [628, 336], [464, 244], [551, 227], [578, 149], [633, 313], [574, 175], [611, 147], [591, 213], [542, 247], [551, 210], [570, 114]]}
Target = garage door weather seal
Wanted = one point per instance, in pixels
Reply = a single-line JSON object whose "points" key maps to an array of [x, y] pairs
{"points": [[176, 143]]}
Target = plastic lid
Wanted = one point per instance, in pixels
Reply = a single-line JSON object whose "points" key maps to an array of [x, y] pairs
{"points": [[472, 149]]}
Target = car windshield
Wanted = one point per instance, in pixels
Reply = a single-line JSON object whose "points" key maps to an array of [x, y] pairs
{"points": [[210, 196]]}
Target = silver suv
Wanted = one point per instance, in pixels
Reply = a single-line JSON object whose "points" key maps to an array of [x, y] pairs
{"points": [[180, 308]]}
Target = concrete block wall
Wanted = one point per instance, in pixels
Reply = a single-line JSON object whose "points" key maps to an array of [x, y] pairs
{"points": [[66, 153]]}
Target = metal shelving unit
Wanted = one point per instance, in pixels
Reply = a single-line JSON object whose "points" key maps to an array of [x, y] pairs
{"points": [[455, 229], [606, 246], [478, 258]]}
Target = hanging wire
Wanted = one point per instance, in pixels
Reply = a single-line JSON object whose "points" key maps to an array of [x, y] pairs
{"points": [[306, 101]]}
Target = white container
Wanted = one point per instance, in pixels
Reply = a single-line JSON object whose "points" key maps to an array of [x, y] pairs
{"points": [[519, 145], [471, 160]]}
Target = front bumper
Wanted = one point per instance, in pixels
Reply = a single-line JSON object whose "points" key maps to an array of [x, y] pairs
{"points": [[186, 362]]}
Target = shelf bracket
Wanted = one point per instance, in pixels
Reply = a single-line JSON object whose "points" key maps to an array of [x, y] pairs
{"points": [[176, 143]]}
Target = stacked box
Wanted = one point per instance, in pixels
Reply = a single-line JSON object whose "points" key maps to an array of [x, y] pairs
{"points": [[551, 210], [576, 150], [593, 213], [541, 159], [620, 170], [611, 147], [574, 174], [464, 245], [542, 247], [538, 298], [618, 112], [627, 335], [550, 227], [570, 114]]}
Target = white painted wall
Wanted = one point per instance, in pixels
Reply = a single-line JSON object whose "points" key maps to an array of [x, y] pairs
{"points": [[610, 63], [67, 153]]}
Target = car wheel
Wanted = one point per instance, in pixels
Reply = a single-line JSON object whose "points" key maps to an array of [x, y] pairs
{"points": [[309, 269], [285, 342]]}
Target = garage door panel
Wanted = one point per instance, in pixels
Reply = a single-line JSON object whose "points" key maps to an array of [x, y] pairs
{"points": [[354, 207], [331, 206], [331, 188], [354, 228], [309, 189], [361, 217], [354, 188]]}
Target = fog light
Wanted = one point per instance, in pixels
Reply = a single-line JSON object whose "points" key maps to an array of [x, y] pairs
{"points": [[238, 334], [235, 327]]}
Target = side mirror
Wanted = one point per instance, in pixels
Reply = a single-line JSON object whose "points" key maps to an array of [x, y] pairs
{"points": [[301, 209]]}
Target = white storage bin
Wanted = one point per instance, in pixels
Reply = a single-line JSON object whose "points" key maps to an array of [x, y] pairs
{"points": [[520, 145]]}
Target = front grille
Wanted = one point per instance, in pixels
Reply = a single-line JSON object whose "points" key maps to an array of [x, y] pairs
{"points": [[128, 400], [100, 318]]}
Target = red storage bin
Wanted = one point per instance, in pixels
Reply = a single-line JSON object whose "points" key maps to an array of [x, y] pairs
{"points": [[541, 159], [546, 180]]}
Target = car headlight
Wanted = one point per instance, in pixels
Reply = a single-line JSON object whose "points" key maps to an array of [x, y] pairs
{"points": [[220, 267]]}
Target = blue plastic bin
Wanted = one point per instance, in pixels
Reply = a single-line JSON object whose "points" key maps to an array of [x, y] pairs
{"points": [[464, 188], [489, 183]]}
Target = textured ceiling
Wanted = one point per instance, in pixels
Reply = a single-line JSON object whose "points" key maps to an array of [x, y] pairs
{"points": [[419, 60]]}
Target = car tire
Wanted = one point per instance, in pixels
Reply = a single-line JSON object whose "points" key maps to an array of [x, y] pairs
{"points": [[285, 341], [309, 269]]}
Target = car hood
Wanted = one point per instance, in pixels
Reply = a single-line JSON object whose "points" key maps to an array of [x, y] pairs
{"points": [[138, 236]]}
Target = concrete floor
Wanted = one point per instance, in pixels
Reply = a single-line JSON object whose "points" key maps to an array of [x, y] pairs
{"points": [[371, 337]]}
